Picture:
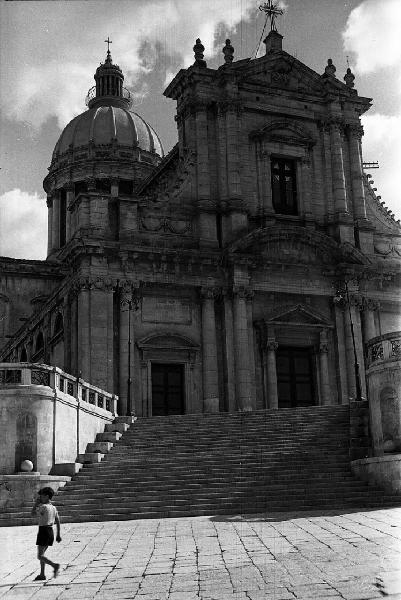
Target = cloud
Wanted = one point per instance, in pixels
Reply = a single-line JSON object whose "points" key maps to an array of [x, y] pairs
{"points": [[23, 225], [373, 34], [381, 142], [52, 69]]}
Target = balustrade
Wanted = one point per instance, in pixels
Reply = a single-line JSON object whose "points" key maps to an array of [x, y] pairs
{"points": [[384, 348], [12, 374]]}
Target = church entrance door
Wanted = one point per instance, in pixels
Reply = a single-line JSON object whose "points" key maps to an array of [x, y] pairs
{"points": [[167, 389], [294, 377]]}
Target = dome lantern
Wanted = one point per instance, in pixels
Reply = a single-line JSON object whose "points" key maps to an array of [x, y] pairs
{"points": [[109, 90]]}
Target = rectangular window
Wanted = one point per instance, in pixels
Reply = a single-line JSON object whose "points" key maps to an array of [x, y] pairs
{"points": [[284, 189]]}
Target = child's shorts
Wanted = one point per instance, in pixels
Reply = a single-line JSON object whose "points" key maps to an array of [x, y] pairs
{"points": [[45, 536]]}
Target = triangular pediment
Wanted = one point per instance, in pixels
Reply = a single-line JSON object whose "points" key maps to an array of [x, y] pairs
{"points": [[297, 315]]}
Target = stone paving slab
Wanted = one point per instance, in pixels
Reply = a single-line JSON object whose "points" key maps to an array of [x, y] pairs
{"points": [[329, 555]]}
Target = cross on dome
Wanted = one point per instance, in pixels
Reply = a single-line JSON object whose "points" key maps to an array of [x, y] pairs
{"points": [[272, 10]]}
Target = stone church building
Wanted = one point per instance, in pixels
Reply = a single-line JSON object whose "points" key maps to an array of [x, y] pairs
{"points": [[248, 268]]}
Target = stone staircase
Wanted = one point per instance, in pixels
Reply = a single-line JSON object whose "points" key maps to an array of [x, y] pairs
{"points": [[274, 460]]}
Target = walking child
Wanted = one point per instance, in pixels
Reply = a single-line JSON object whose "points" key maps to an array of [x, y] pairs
{"points": [[47, 515]]}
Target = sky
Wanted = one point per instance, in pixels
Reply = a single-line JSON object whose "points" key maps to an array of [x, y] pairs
{"points": [[49, 52]]}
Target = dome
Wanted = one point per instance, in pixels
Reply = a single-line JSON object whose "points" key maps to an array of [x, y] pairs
{"points": [[108, 124]]}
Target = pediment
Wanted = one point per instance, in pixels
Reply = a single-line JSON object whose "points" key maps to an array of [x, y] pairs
{"points": [[296, 245], [166, 340], [297, 315], [285, 131], [285, 72]]}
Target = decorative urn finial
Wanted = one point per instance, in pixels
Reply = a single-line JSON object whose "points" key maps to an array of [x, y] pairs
{"points": [[228, 52], [199, 48], [330, 68], [349, 78]]}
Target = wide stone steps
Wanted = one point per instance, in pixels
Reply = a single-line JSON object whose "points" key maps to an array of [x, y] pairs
{"points": [[215, 464]]}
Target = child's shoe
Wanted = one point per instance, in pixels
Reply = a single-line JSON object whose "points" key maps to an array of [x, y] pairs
{"points": [[56, 570], [40, 578]]}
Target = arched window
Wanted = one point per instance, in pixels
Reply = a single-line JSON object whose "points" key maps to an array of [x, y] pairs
{"points": [[40, 344], [58, 324]]}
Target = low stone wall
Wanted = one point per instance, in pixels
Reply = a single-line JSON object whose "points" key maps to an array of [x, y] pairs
{"points": [[21, 489], [46, 426], [384, 471]]}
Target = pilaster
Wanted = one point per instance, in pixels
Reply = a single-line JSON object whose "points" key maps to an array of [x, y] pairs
{"points": [[241, 348], [209, 352]]}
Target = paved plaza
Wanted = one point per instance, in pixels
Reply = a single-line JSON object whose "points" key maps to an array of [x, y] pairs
{"points": [[335, 555]]}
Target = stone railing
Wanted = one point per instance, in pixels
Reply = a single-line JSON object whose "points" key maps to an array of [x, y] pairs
{"points": [[384, 348], [15, 374]]}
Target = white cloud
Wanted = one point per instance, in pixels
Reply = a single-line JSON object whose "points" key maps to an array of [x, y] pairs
{"points": [[373, 34], [52, 70], [381, 142], [23, 225]]}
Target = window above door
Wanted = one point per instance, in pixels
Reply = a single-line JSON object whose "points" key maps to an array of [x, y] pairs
{"points": [[284, 186]]}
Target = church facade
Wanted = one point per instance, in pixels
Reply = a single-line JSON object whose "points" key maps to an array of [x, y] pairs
{"points": [[247, 269]]}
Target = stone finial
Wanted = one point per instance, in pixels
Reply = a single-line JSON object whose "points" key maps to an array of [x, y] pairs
{"points": [[198, 50], [330, 68], [349, 78], [228, 52]]}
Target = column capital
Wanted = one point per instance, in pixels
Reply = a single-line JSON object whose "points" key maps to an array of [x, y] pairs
{"points": [[336, 124], [324, 347], [210, 293], [355, 130], [242, 291], [271, 345], [91, 184], [69, 186], [370, 304]]}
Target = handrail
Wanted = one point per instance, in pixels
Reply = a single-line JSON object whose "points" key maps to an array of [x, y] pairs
{"points": [[26, 373]]}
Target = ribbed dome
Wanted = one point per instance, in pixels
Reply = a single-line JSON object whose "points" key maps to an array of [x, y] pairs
{"points": [[106, 124]]}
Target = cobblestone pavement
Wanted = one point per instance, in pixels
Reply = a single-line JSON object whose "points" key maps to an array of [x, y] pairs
{"points": [[352, 556]]}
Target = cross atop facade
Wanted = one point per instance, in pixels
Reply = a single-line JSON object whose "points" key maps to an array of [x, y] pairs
{"points": [[272, 10], [108, 42]]}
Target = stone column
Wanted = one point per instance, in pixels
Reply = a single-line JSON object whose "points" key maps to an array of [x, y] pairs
{"points": [[337, 163], [222, 154], [349, 352], [55, 222], [249, 311], [355, 133], [324, 370], [369, 326], [307, 187], [202, 152], [328, 179], [229, 352], [70, 196], [342, 356], [263, 165], [126, 347], [209, 352], [84, 346], [49, 203], [272, 392], [241, 348]]}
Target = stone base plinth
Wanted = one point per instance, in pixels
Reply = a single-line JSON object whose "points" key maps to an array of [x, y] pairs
{"points": [[384, 471], [22, 488]]}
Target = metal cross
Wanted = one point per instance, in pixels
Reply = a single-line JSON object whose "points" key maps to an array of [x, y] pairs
{"points": [[108, 42], [272, 9]]}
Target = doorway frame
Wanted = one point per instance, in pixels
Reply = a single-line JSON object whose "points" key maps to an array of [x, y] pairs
{"points": [[168, 348]]}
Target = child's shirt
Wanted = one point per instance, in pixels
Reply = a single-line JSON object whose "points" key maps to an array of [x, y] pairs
{"points": [[46, 514]]}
